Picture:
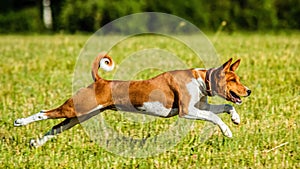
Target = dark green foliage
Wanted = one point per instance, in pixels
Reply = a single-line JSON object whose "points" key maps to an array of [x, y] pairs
{"points": [[90, 15], [25, 20]]}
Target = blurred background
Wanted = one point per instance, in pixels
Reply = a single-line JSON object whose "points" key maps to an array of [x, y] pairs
{"points": [[69, 16]]}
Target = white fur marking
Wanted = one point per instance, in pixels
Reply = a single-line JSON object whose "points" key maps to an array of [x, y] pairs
{"points": [[36, 117], [194, 113], [40, 142], [194, 91], [50, 134], [156, 109], [105, 66], [96, 108], [202, 85], [234, 115]]}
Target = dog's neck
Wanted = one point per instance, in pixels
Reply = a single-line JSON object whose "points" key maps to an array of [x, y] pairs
{"points": [[208, 82]]}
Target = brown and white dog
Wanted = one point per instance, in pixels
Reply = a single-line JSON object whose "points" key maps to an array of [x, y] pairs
{"points": [[178, 92]]}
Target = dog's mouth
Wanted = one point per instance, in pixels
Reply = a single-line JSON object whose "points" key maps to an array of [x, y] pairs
{"points": [[235, 98]]}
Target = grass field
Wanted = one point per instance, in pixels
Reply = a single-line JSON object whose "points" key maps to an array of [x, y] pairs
{"points": [[36, 73]]}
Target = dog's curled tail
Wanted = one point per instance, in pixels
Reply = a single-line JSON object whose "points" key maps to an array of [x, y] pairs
{"points": [[104, 62]]}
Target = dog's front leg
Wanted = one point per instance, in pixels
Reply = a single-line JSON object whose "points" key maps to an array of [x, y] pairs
{"points": [[217, 109], [197, 114]]}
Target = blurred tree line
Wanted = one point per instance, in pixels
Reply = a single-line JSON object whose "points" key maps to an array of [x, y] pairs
{"points": [[89, 15]]}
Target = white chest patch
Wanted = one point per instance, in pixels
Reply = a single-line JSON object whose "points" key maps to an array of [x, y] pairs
{"points": [[156, 109], [194, 88]]}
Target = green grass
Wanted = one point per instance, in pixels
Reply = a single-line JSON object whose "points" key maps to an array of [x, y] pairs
{"points": [[36, 73]]}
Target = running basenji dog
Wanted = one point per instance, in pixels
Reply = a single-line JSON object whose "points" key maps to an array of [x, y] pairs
{"points": [[178, 92]]}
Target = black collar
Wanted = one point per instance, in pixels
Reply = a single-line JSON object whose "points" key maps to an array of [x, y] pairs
{"points": [[209, 89]]}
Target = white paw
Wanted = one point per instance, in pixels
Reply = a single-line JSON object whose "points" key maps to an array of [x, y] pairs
{"points": [[226, 131], [19, 122], [234, 115], [235, 118], [34, 143]]}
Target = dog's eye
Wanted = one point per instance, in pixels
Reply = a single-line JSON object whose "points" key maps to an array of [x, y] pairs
{"points": [[233, 80]]}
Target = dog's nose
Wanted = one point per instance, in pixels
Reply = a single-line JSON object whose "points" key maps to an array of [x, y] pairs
{"points": [[248, 92]]}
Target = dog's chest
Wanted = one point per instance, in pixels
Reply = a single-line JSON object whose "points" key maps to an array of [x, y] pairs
{"points": [[156, 109]]}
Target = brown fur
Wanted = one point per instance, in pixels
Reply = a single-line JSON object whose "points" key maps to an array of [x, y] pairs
{"points": [[168, 88], [225, 80]]}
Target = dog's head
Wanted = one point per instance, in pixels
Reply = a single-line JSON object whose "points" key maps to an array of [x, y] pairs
{"points": [[226, 83]]}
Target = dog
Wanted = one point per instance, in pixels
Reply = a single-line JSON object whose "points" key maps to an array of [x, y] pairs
{"points": [[177, 92]]}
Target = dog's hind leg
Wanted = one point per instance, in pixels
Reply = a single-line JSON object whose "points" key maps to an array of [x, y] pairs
{"points": [[64, 125], [66, 110], [82, 103], [36, 117]]}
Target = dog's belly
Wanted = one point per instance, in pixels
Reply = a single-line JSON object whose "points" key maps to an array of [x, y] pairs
{"points": [[157, 109]]}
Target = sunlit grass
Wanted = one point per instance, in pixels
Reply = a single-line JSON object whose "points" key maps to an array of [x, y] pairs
{"points": [[36, 73]]}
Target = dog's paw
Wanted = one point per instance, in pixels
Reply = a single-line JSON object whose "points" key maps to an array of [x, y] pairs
{"points": [[34, 143], [235, 118], [19, 122], [226, 131]]}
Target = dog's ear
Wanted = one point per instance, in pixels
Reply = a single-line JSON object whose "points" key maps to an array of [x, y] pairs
{"points": [[226, 65], [235, 65]]}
